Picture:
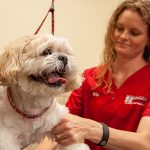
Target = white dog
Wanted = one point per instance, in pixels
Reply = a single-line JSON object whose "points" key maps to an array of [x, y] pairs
{"points": [[34, 70]]}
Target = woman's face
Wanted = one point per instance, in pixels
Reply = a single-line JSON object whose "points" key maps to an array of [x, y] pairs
{"points": [[130, 35]]}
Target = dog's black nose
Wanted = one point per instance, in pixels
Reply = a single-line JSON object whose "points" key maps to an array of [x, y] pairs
{"points": [[64, 59]]}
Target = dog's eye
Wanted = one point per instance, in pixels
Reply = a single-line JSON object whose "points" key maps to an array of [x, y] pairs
{"points": [[46, 52]]}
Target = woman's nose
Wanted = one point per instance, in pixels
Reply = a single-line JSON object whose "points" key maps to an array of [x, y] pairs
{"points": [[124, 35]]}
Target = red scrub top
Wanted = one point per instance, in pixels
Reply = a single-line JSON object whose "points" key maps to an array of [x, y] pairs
{"points": [[121, 109]]}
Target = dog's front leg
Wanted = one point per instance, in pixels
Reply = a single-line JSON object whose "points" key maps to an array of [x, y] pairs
{"points": [[8, 140]]}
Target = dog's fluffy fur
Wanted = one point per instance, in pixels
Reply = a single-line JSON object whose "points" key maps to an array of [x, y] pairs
{"points": [[35, 68]]}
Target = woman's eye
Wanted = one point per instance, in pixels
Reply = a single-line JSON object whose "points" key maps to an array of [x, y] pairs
{"points": [[134, 33], [46, 52], [120, 29]]}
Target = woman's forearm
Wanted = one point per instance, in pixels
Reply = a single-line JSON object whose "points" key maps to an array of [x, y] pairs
{"points": [[118, 139], [124, 140]]}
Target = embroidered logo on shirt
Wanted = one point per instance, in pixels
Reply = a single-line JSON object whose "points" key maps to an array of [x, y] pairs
{"points": [[139, 100], [95, 94]]}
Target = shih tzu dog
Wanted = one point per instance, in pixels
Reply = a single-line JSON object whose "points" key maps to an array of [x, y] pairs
{"points": [[33, 71]]}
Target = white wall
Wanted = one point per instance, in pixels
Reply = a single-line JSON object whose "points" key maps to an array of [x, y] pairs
{"points": [[82, 22]]}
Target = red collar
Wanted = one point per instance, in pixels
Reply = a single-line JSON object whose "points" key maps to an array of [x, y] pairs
{"points": [[19, 111]]}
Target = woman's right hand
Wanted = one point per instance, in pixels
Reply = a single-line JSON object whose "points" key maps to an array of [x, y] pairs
{"points": [[74, 129]]}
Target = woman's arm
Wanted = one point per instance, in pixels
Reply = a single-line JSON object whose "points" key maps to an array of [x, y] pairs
{"points": [[123, 140], [74, 129]]}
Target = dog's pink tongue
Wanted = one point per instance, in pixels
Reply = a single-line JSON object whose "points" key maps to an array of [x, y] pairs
{"points": [[53, 78]]}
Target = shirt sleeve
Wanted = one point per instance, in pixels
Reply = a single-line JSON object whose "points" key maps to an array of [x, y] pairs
{"points": [[77, 98], [147, 109], [75, 102]]}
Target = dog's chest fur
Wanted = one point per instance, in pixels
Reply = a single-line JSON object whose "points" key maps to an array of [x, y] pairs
{"points": [[26, 130]]}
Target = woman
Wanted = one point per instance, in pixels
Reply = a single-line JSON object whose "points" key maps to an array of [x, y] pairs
{"points": [[113, 101]]}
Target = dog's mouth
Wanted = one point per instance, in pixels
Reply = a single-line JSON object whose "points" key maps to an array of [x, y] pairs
{"points": [[52, 79]]}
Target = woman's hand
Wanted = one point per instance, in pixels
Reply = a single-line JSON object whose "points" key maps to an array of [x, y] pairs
{"points": [[47, 144], [74, 129]]}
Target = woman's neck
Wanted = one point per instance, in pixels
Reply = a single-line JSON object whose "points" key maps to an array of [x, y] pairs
{"points": [[127, 65], [124, 68]]}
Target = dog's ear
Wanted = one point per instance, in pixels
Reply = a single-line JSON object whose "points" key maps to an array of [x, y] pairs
{"points": [[10, 60]]}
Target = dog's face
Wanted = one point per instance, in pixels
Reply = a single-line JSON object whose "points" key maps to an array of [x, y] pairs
{"points": [[39, 64]]}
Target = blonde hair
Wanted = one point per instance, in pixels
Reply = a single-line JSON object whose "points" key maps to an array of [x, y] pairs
{"points": [[143, 8]]}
